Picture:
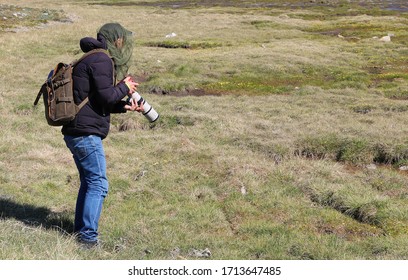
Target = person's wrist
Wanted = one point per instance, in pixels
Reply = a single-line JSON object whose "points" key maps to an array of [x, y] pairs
{"points": [[129, 85]]}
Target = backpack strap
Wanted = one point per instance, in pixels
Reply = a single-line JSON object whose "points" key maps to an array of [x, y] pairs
{"points": [[90, 53], [42, 90], [82, 104]]}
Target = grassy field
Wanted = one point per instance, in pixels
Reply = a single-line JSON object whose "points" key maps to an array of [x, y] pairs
{"points": [[282, 135]]}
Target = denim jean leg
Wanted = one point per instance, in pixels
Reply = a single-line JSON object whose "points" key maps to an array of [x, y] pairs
{"points": [[79, 209], [89, 157]]}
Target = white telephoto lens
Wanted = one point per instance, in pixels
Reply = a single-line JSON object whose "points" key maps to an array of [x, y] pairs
{"points": [[148, 112]]}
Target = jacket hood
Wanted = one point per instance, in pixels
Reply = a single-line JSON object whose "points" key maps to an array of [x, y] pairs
{"points": [[88, 44]]}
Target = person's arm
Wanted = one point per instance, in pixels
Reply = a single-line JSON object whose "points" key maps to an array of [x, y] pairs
{"points": [[102, 81]]}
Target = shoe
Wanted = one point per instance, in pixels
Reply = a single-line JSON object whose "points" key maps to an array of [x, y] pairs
{"points": [[87, 245]]}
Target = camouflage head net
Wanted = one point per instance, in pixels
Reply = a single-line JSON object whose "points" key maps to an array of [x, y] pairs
{"points": [[121, 51]]}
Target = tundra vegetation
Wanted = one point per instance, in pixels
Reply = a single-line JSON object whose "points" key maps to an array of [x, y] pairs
{"points": [[282, 131]]}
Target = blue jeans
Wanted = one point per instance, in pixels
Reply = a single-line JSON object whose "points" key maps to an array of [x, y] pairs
{"points": [[90, 160]]}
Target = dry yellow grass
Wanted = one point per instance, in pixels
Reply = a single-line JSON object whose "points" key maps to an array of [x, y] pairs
{"points": [[257, 175]]}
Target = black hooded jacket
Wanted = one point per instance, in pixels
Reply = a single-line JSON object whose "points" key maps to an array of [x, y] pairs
{"points": [[93, 77]]}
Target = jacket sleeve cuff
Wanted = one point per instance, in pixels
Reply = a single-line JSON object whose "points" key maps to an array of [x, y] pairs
{"points": [[119, 107], [123, 88]]}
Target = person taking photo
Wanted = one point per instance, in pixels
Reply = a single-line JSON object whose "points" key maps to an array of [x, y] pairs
{"points": [[95, 77]]}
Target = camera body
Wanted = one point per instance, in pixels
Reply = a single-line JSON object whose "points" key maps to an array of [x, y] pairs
{"points": [[149, 112]]}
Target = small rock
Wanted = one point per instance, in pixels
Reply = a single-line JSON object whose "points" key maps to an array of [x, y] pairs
{"points": [[171, 35], [371, 166], [386, 38], [206, 253], [140, 175], [175, 253]]}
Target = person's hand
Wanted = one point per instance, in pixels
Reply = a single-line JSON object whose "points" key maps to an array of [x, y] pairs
{"points": [[132, 85], [139, 108], [133, 106]]}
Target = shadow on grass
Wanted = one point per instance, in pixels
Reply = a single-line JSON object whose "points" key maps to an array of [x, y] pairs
{"points": [[35, 216]]}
